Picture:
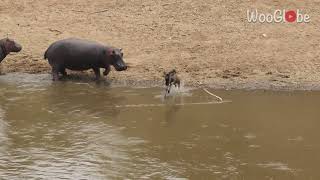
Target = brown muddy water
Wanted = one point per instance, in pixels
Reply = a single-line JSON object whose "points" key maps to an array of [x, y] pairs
{"points": [[81, 130]]}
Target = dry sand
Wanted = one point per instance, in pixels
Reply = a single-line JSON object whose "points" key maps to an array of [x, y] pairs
{"points": [[207, 42]]}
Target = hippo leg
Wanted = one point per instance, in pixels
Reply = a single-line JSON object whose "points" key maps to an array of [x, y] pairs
{"points": [[106, 71], [55, 74], [97, 73], [63, 71]]}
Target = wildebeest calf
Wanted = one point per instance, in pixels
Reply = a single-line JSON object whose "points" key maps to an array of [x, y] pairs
{"points": [[8, 45], [171, 78]]}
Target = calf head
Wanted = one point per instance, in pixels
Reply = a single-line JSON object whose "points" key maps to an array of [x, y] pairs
{"points": [[117, 59], [170, 77]]}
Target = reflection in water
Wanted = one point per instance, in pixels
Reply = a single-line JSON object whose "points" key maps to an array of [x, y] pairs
{"points": [[4, 141], [73, 130]]}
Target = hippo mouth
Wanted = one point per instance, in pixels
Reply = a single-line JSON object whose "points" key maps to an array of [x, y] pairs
{"points": [[17, 48], [122, 68]]}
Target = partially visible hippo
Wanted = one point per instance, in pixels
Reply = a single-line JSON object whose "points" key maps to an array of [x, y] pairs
{"points": [[8, 45], [78, 54]]}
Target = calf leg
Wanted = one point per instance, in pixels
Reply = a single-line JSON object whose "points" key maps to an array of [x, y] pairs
{"points": [[177, 84], [169, 88]]}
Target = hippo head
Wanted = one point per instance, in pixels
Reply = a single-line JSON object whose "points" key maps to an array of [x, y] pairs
{"points": [[11, 46], [117, 59]]}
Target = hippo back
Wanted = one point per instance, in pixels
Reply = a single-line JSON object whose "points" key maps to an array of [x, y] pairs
{"points": [[76, 54]]}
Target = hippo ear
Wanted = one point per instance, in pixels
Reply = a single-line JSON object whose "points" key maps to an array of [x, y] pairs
{"points": [[109, 52], [164, 74], [120, 49]]}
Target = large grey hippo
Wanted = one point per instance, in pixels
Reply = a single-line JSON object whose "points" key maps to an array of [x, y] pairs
{"points": [[78, 54], [8, 45]]}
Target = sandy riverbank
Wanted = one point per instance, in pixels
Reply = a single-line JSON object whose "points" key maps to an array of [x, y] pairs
{"points": [[209, 43]]}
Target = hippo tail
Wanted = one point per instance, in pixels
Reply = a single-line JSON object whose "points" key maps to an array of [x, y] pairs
{"points": [[45, 54]]}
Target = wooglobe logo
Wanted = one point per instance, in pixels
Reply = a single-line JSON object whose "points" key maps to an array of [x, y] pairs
{"points": [[278, 16]]}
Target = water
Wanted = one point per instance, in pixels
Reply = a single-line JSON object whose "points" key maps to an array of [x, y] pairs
{"points": [[81, 130]]}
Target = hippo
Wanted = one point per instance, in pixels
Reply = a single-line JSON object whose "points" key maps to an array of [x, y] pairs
{"points": [[7, 46], [78, 55], [171, 78]]}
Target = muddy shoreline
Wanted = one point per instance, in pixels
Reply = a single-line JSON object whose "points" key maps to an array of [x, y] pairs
{"points": [[208, 42]]}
